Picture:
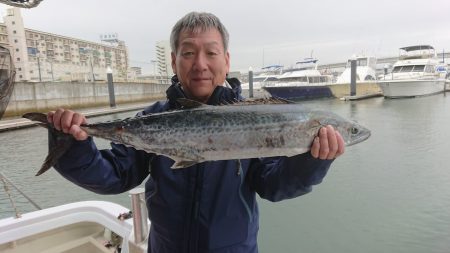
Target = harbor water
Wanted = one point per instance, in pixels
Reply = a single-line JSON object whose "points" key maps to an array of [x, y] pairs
{"points": [[390, 193]]}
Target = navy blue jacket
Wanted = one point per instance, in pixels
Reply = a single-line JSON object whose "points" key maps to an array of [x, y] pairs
{"points": [[209, 207]]}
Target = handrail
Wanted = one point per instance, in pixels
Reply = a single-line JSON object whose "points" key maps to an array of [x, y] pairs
{"points": [[138, 207]]}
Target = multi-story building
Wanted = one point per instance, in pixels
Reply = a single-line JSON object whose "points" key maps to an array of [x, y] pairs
{"points": [[163, 59], [42, 56]]}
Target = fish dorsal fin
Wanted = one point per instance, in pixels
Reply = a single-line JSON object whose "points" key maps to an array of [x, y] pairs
{"points": [[264, 101], [188, 103]]}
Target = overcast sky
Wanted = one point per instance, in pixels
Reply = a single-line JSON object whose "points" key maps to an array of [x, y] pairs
{"points": [[261, 32]]}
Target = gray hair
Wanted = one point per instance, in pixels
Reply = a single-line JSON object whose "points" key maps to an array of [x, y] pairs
{"points": [[198, 22]]}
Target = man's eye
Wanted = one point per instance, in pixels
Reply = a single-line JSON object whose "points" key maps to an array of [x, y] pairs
{"points": [[187, 53]]}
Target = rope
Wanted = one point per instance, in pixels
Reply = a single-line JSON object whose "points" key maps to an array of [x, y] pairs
{"points": [[5, 185], [4, 178]]}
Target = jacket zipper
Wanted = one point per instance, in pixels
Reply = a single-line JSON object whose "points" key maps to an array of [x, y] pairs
{"points": [[193, 229]]}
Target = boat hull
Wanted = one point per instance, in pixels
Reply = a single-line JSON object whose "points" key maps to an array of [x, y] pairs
{"points": [[300, 92], [411, 88]]}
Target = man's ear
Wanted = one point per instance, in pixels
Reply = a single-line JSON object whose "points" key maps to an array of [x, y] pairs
{"points": [[227, 60], [174, 62]]}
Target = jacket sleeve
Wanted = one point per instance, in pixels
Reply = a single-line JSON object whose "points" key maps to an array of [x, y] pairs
{"points": [[108, 171], [281, 178]]}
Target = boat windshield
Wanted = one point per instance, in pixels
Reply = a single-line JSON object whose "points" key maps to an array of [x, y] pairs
{"points": [[359, 62]]}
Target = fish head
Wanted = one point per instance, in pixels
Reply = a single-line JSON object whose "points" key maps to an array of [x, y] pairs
{"points": [[351, 131]]}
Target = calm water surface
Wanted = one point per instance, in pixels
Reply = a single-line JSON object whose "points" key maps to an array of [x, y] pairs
{"points": [[388, 194]]}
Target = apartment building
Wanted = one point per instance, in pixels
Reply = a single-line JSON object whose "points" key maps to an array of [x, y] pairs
{"points": [[42, 56], [163, 59]]}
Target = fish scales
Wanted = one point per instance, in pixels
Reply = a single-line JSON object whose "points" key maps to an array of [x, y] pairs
{"points": [[209, 133], [222, 132]]}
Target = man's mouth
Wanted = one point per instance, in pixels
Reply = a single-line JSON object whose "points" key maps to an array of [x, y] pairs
{"points": [[200, 79]]}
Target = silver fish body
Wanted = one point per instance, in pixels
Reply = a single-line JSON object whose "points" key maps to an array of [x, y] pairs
{"points": [[209, 133]]}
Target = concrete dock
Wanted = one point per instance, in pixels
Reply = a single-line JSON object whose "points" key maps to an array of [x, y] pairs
{"points": [[359, 97]]}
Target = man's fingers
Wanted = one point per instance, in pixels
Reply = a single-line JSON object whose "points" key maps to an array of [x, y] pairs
{"points": [[315, 147], [50, 117], [329, 144], [69, 122], [341, 144], [57, 118], [78, 119], [66, 120], [78, 133], [324, 147], [332, 142]]}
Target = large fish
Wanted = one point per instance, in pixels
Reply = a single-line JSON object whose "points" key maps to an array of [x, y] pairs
{"points": [[7, 75], [201, 132]]}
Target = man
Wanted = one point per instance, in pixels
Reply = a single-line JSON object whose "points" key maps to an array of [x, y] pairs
{"points": [[211, 206]]}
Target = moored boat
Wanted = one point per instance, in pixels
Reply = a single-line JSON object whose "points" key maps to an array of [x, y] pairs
{"points": [[418, 72], [303, 81], [365, 69], [266, 76]]}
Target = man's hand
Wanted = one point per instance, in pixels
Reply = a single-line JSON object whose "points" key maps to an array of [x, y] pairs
{"points": [[69, 122], [328, 145]]}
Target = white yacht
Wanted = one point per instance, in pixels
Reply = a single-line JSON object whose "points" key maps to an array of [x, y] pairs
{"points": [[365, 69], [418, 72], [267, 75], [303, 81]]}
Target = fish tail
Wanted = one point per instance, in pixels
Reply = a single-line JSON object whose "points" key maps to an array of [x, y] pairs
{"points": [[59, 142], [36, 116]]}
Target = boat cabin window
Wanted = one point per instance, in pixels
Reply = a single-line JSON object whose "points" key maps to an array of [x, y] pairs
{"points": [[418, 68], [407, 68], [397, 69], [303, 79], [410, 68], [429, 69], [271, 79], [317, 79]]}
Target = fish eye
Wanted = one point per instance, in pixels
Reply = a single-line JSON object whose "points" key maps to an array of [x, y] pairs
{"points": [[354, 130]]}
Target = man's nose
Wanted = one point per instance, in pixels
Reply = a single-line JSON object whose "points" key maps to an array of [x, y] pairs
{"points": [[201, 62]]}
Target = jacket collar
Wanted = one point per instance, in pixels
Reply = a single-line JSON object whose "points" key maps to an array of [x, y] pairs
{"points": [[220, 95]]}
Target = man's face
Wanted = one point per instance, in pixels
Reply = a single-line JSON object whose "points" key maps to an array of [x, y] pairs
{"points": [[200, 63]]}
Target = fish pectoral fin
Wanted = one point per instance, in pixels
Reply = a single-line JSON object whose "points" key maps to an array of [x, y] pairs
{"points": [[183, 164]]}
